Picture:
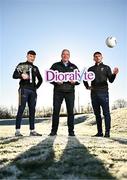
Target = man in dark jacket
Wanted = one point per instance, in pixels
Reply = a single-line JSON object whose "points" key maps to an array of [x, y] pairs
{"points": [[27, 73], [63, 90], [99, 93]]}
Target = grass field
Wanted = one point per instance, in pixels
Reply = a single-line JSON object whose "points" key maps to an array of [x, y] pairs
{"points": [[63, 157]]}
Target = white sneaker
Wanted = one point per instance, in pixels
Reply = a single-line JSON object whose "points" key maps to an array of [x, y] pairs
{"points": [[34, 133], [18, 134]]}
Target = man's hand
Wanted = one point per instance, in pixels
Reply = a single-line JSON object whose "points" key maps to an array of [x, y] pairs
{"points": [[89, 88], [25, 76], [115, 70], [60, 82], [72, 82]]}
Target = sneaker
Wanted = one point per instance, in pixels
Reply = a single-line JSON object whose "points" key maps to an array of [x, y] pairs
{"points": [[98, 135], [53, 134], [34, 133], [107, 134], [18, 134], [71, 134]]}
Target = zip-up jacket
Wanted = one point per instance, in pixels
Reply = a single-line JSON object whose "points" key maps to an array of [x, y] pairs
{"points": [[66, 86], [32, 71], [102, 74]]}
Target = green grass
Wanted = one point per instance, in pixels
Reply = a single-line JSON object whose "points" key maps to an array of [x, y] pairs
{"points": [[63, 157], [47, 162]]}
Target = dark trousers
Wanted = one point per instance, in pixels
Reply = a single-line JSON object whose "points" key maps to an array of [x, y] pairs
{"points": [[57, 101], [26, 96], [100, 99]]}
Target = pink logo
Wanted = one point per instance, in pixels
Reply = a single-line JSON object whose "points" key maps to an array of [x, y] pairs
{"points": [[76, 75]]}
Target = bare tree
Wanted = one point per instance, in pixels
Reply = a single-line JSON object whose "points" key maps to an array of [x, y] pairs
{"points": [[119, 103], [4, 113]]}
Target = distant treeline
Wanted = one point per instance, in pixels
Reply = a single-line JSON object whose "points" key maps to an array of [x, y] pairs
{"points": [[8, 113]]}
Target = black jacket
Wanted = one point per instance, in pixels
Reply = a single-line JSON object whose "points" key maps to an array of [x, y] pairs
{"points": [[102, 74], [26, 67], [66, 86]]}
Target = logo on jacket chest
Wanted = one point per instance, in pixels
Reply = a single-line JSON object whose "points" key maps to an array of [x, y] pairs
{"points": [[102, 69], [71, 67], [34, 69]]}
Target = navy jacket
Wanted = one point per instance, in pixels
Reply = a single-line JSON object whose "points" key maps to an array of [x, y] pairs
{"points": [[66, 86], [102, 75], [27, 67]]}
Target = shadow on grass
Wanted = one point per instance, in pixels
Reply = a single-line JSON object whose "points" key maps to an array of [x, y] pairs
{"points": [[40, 162], [7, 140], [25, 121], [78, 120], [120, 140], [33, 164], [77, 163], [81, 119]]}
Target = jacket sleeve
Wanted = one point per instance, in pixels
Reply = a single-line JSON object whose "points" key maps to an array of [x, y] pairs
{"points": [[110, 75], [53, 68], [17, 74], [76, 83], [39, 77], [86, 84]]}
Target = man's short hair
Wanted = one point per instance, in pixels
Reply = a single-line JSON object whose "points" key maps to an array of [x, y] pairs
{"points": [[65, 50], [31, 52], [97, 53]]}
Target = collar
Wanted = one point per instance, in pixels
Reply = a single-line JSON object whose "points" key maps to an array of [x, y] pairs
{"points": [[29, 63], [99, 64], [66, 64]]}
